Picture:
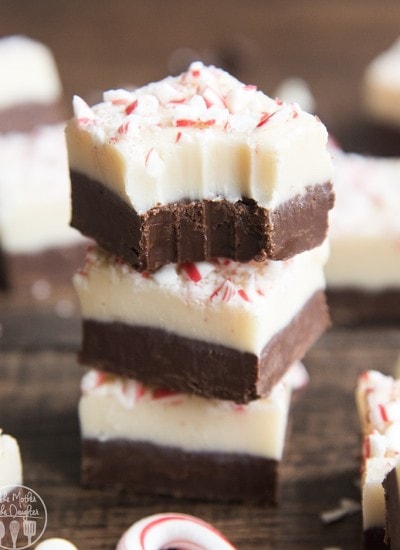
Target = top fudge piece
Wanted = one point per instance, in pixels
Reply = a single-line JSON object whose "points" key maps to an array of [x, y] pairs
{"points": [[198, 166], [30, 86]]}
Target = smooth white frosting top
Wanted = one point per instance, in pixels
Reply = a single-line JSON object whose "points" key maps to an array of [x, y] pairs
{"points": [[202, 134]]}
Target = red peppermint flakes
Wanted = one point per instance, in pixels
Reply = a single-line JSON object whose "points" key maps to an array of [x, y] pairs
{"points": [[264, 119], [187, 122], [242, 293], [178, 137], [123, 129], [224, 292], [195, 73], [383, 413], [163, 393], [191, 271], [131, 107]]}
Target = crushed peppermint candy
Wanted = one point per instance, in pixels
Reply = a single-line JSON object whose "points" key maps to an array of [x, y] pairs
{"points": [[201, 98]]}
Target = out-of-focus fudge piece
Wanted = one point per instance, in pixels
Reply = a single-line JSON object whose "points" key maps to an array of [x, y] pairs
{"points": [[10, 461], [218, 329], [198, 166], [378, 402], [381, 86], [156, 441], [363, 269], [30, 86], [35, 236]]}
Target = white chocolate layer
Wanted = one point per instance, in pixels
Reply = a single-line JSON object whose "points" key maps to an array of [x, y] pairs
{"points": [[378, 403], [10, 461], [364, 231], [34, 191], [28, 73], [201, 135], [381, 86], [119, 408], [237, 305]]}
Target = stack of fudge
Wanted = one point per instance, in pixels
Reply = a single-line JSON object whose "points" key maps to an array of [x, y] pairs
{"points": [[208, 201], [36, 242]]}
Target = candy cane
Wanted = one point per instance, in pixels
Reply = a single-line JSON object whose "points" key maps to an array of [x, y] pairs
{"points": [[181, 531]]}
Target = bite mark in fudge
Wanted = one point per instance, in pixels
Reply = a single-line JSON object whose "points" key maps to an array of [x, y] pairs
{"points": [[378, 402], [221, 328], [192, 230], [178, 444], [197, 147]]}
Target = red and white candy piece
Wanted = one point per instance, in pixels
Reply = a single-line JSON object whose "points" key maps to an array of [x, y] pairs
{"points": [[56, 544], [180, 531]]}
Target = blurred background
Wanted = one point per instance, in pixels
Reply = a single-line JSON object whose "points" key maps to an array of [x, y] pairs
{"points": [[103, 44]]}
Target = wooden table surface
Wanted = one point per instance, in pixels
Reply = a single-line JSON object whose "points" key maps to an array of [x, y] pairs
{"points": [[106, 44]]}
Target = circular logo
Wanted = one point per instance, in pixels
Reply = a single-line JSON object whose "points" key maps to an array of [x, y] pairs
{"points": [[23, 517]]}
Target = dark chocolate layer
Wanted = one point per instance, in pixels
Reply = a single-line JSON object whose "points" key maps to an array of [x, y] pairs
{"points": [[199, 230], [350, 306], [160, 358], [392, 500], [145, 468], [23, 118], [374, 539]]}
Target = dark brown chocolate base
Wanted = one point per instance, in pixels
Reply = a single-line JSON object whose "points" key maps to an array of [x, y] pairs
{"points": [[199, 230], [55, 265], [23, 118], [145, 468], [392, 500], [374, 539], [159, 358], [351, 307]]}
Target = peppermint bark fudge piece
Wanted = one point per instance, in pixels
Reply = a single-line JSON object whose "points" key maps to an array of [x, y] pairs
{"points": [[198, 166], [381, 86], [155, 441], [378, 401], [218, 329], [36, 239], [30, 90], [10, 461], [35, 236], [363, 269]]}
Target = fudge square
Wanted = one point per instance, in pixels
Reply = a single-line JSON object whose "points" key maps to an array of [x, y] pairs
{"points": [[218, 329], [154, 441], [363, 269], [378, 403], [198, 166]]}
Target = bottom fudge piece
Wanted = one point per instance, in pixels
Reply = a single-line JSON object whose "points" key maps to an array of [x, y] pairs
{"points": [[154, 441], [378, 402], [217, 329]]}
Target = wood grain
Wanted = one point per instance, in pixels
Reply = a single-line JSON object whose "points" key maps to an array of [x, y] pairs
{"points": [[106, 44]]}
